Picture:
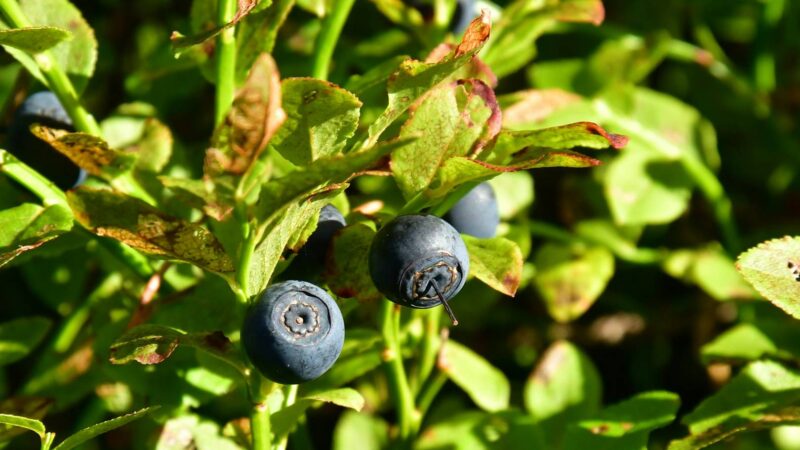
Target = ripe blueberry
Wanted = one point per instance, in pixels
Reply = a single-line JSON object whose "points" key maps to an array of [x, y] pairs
{"points": [[476, 213], [44, 108], [419, 261], [294, 332], [310, 260]]}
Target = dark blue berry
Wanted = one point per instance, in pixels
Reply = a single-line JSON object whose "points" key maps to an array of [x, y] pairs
{"points": [[476, 213], [414, 256], [44, 108], [310, 260], [294, 332]]}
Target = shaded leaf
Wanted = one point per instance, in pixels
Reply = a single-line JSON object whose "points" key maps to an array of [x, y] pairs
{"points": [[133, 222], [254, 118], [93, 431], [286, 419], [188, 432], [564, 388], [152, 344], [320, 118], [570, 278], [369, 431], [476, 430], [28, 226], [763, 395], [451, 120], [625, 425], [31, 408], [20, 336], [347, 267], [33, 39], [413, 78], [773, 269], [23, 422], [486, 385], [711, 269], [154, 147], [495, 261]]}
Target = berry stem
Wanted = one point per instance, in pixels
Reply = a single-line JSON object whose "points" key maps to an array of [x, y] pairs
{"points": [[260, 425], [403, 399], [444, 303], [326, 40], [226, 60]]}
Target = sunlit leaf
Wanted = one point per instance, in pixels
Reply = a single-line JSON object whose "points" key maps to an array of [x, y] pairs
{"points": [[33, 39], [486, 385], [495, 261], [773, 269]]}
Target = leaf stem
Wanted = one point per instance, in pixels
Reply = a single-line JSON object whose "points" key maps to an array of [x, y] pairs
{"points": [[226, 60], [407, 415], [326, 40]]}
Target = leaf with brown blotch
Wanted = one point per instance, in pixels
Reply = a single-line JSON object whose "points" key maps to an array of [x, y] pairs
{"points": [[533, 105], [253, 119], [475, 35], [133, 222], [179, 41], [495, 261], [88, 152]]}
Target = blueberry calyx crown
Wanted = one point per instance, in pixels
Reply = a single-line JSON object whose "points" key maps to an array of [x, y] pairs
{"points": [[304, 317], [301, 318], [418, 278]]}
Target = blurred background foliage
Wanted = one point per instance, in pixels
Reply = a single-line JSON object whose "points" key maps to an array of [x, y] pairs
{"points": [[648, 238]]}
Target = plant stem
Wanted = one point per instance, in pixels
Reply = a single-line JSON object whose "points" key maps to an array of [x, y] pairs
{"points": [[248, 246], [429, 390], [328, 35], [720, 204], [430, 344], [260, 425], [289, 399], [407, 415], [32, 180], [226, 60]]}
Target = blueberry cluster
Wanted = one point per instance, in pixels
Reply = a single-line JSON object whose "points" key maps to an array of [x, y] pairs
{"points": [[294, 332]]}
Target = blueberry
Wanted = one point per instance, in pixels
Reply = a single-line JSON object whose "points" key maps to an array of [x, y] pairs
{"points": [[294, 332], [419, 261], [310, 260], [44, 108], [476, 213], [465, 12]]}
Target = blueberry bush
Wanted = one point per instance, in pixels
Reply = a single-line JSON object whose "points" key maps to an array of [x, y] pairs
{"points": [[272, 224]]}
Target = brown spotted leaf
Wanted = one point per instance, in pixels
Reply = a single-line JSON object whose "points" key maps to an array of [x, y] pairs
{"points": [[180, 42], [152, 344], [133, 222], [525, 108], [88, 152], [564, 137], [254, 118], [495, 261], [28, 226], [773, 268]]}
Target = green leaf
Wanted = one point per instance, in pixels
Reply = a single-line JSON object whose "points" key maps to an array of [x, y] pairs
{"points": [[514, 193], [23, 422], [625, 425], [344, 397], [133, 222], [180, 42], [252, 121], [564, 137], [451, 120], [486, 385], [93, 431], [20, 336], [187, 432], [321, 117], [152, 344], [33, 39], [76, 56], [347, 269], [763, 395], [743, 342], [711, 269], [31, 409], [570, 278], [413, 78], [475, 430], [773, 269], [279, 192], [28, 226], [564, 388], [256, 34], [369, 431], [154, 146], [284, 421], [522, 23], [646, 188], [278, 235], [495, 261]]}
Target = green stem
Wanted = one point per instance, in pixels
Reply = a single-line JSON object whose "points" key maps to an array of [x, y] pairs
{"points": [[226, 60], [764, 75], [57, 80], [430, 390], [328, 35], [248, 246], [73, 324], [407, 416], [289, 399], [32, 180], [260, 425], [430, 344], [721, 206]]}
